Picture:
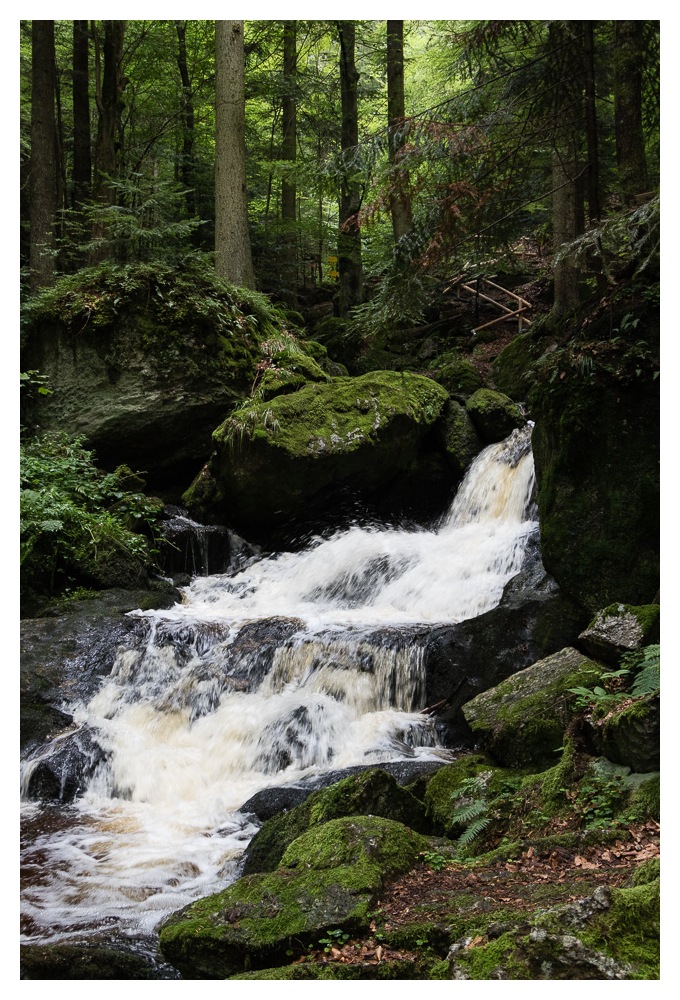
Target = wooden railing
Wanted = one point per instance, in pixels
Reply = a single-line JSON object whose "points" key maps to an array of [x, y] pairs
{"points": [[521, 306]]}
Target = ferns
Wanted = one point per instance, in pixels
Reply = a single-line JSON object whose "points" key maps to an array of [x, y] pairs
{"points": [[474, 809]]}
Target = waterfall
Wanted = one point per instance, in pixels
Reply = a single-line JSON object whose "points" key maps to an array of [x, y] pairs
{"points": [[266, 675]]}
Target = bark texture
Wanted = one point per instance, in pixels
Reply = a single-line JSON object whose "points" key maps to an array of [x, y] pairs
{"points": [[233, 260], [43, 184]]}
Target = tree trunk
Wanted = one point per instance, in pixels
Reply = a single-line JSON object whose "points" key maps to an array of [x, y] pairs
{"points": [[565, 229], [349, 236], [593, 172], [109, 96], [400, 203], [288, 153], [630, 140], [82, 150], [233, 260], [186, 166], [43, 184]]}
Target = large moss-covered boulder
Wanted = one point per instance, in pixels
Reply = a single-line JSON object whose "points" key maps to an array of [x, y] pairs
{"points": [[144, 361], [273, 457], [596, 452], [327, 879], [522, 720], [442, 787], [620, 629], [375, 793], [494, 415]]}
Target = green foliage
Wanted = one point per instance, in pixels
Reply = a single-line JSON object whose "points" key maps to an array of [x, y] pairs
{"points": [[435, 860], [71, 512], [474, 808], [333, 939], [643, 665], [647, 664]]}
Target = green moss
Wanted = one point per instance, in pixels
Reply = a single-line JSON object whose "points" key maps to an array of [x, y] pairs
{"points": [[374, 791], [630, 929], [456, 373], [522, 720], [511, 370], [438, 802], [338, 971], [328, 878], [494, 414], [647, 872]]}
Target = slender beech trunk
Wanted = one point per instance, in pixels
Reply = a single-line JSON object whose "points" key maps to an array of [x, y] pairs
{"points": [[233, 260], [188, 120], [43, 185], [630, 140], [288, 153], [400, 203], [593, 171], [109, 96], [349, 237], [82, 148]]}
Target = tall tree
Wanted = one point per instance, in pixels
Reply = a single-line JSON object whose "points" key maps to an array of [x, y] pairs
{"points": [[349, 239], [630, 141], [289, 150], [188, 118], [109, 96], [43, 183], [82, 142], [233, 259], [400, 203]]}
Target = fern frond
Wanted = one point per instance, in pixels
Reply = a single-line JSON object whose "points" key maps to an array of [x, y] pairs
{"points": [[474, 830]]}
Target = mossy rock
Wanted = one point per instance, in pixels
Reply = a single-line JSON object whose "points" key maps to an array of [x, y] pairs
{"points": [[397, 969], [597, 458], [494, 415], [522, 720], [374, 792], [511, 370], [272, 458], [144, 360], [460, 441], [456, 373], [87, 961], [614, 935], [438, 797], [619, 629], [328, 879], [630, 735]]}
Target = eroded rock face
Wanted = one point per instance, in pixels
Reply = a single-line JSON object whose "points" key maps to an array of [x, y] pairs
{"points": [[272, 458], [143, 362]]}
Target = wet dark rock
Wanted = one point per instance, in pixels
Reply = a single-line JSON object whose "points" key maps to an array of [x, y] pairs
{"points": [[61, 770], [89, 961]]}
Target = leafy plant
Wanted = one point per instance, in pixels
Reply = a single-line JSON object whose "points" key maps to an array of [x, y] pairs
{"points": [[334, 939], [473, 812], [72, 512], [434, 860]]}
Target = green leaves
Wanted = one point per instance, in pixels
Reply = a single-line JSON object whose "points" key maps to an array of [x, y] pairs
{"points": [[70, 511]]}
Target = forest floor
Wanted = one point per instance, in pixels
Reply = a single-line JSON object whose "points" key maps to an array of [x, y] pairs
{"points": [[537, 877]]}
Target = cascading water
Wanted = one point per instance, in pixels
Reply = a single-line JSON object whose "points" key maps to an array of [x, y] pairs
{"points": [[265, 676]]}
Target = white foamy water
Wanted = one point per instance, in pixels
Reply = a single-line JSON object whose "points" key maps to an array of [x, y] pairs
{"points": [[194, 720]]}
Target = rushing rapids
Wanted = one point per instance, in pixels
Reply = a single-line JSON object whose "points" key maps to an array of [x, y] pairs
{"points": [[266, 675]]}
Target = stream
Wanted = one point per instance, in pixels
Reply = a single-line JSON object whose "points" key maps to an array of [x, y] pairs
{"points": [[272, 674]]}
